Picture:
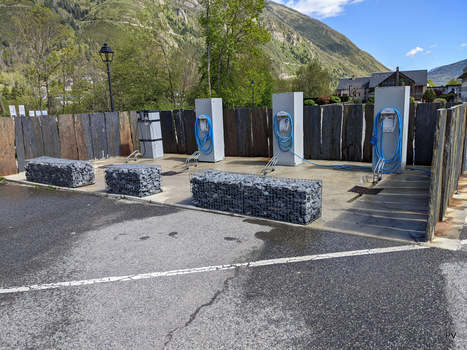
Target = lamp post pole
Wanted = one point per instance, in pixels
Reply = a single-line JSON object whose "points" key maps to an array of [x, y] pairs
{"points": [[110, 88], [107, 55]]}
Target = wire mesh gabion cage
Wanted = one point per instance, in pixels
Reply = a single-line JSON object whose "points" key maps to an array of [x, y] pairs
{"points": [[59, 172], [276, 198], [133, 179]]}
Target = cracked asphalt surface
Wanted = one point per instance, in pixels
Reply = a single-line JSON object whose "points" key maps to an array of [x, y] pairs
{"points": [[414, 299]]}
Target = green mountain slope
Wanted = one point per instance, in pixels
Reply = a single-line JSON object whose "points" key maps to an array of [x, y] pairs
{"points": [[296, 38], [441, 75]]}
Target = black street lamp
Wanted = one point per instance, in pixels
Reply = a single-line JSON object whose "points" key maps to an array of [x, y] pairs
{"points": [[107, 56], [253, 92]]}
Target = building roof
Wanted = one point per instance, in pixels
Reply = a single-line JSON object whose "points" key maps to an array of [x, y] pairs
{"points": [[356, 83], [464, 74], [420, 77]]}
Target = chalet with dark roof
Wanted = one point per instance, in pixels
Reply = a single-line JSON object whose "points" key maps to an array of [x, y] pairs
{"points": [[354, 87], [416, 79]]}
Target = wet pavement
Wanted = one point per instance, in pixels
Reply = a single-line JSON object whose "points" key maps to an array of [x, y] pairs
{"points": [[84, 271]]}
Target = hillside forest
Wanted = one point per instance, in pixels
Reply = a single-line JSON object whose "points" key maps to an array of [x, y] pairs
{"points": [[160, 61]]}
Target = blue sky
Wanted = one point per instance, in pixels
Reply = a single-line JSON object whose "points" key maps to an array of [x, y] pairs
{"points": [[411, 34]]}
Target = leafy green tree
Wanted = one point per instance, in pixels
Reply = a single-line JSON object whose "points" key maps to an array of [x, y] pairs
{"points": [[6, 92], [139, 77], [173, 68], [453, 81], [312, 79], [39, 35], [430, 83], [233, 31], [64, 63]]}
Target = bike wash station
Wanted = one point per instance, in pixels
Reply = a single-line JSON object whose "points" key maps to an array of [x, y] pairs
{"points": [[260, 195]]}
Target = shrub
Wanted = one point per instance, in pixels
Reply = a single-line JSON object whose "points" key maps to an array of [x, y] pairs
{"points": [[334, 99], [412, 100], [440, 100], [448, 97], [428, 96], [309, 103], [357, 101]]}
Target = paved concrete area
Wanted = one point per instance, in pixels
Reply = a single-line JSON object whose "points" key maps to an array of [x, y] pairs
{"points": [[398, 212]]}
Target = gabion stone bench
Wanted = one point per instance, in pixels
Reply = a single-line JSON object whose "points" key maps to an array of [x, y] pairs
{"points": [[59, 172], [133, 179], [283, 199]]}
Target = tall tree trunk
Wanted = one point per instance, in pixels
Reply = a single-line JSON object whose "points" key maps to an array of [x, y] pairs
{"points": [[169, 71], [208, 46], [40, 92]]}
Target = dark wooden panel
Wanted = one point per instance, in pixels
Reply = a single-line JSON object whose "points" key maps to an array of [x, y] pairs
{"points": [[189, 118], [33, 142], [126, 147], [134, 130], [20, 152], [331, 131], [425, 125], [445, 166], [83, 136], [7, 147], [180, 130], [259, 120], [464, 138], [169, 140], [230, 133], [352, 132], [244, 132], [411, 135], [66, 131], [98, 135], [435, 205], [270, 133], [112, 129], [50, 136], [369, 120], [312, 132]]}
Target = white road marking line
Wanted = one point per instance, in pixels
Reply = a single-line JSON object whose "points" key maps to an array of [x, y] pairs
{"points": [[211, 268], [464, 241]]}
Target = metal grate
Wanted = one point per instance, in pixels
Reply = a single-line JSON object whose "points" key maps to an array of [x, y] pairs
{"points": [[365, 190]]}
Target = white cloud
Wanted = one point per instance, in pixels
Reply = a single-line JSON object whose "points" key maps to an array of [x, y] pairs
{"points": [[464, 45], [426, 53], [432, 46], [413, 52], [319, 8]]}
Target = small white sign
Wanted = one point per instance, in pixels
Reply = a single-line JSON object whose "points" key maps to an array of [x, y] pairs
{"points": [[31, 113], [44, 112], [22, 111], [38, 113], [13, 111]]}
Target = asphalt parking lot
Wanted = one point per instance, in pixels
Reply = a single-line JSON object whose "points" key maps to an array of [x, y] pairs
{"points": [[81, 271]]}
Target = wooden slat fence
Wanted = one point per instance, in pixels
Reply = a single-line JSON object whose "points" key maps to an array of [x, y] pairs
{"points": [[448, 162], [80, 136], [332, 132]]}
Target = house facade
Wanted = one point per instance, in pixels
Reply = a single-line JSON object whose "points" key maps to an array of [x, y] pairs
{"points": [[463, 92], [365, 86], [354, 87]]}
